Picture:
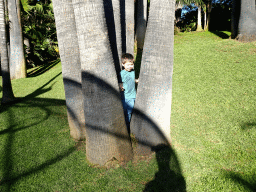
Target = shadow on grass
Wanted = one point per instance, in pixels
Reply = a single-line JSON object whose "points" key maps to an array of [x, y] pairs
{"points": [[43, 68], [221, 34], [13, 127], [168, 178], [239, 179], [249, 125], [9, 175]]}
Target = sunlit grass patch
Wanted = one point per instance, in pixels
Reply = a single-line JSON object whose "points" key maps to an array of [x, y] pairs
{"points": [[213, 101]]}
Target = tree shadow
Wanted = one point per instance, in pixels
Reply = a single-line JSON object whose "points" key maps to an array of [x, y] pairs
{"points": [[123, 25], [248, 125], [13, 127], [137, 62], [42, 68], [238, 179], [221, 34], [9, 176], [169, 177]]}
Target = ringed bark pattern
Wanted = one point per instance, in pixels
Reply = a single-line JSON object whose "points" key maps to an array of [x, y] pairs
{"points": [[71, 66], [8, 95], [247, 21], [17, 57], [151, 118], [106, 133]]}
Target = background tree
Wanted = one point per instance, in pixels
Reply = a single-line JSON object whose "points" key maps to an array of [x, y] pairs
{"points": [[243, 20], [71, 66], [129, 23], [188, 21], [8, 95], [208, 18], [155, 88], [221, 15], [141, 22], [17, 58], [117, 29], [39, 32], [199, 18]]}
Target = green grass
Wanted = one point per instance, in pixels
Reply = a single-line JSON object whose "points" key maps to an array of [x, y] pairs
{"points": [[213, 127], [213, 112]]}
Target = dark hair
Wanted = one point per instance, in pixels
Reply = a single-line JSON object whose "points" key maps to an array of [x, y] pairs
{"points": [[127, 57]]}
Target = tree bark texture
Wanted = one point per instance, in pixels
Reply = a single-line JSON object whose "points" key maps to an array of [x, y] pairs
{"points": [[205, 18], [71, 66], [141, 22], [113, 20], [17, 57], [106, 133], [199, 23], [247, 21], [117, 19], [8, 95], [151, 117], [209, 10], [129, 21], [236, 7]]}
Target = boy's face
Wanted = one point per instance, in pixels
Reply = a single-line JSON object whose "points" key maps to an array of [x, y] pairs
{"points": [[128, 66]]}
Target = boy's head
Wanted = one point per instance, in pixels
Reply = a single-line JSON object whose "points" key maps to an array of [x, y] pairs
{"points": [[127, 61]]}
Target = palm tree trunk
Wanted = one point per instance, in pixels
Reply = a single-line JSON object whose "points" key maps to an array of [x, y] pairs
{"points": [[129, 20], [247, 21], [117, 19], [208, 19], [17, 57], [151, 118], [71, 66], [106, 133], [141, 23], [112, 14], [235, 15], [199, 23], [8, 95], [205, 18]]}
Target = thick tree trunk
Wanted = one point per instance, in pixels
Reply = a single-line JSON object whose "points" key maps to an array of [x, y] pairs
{"points": [[151, 118], [205, 18], [141, 22], [247, 21], [71, 66], [106, 133], [199, 23], [236, 8], [17, 57], [8, 95], [208, 19], [117, 19], [112, 14], [129, 20]]}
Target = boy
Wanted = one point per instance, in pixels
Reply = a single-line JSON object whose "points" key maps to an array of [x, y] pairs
{"points": [[127, 87]]}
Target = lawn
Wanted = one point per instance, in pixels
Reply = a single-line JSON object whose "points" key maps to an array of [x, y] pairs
{"points": [[213, 127]]}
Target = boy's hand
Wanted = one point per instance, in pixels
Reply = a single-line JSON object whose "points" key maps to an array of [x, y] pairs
{"points": [[136, 80], [121, 88]]}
